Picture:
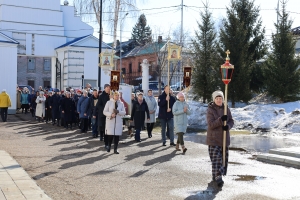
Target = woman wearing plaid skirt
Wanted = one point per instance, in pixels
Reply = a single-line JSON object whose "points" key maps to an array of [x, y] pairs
{"points": [[215, 118]]}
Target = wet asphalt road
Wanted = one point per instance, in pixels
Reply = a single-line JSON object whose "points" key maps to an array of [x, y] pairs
{"points": [[69, 165]]}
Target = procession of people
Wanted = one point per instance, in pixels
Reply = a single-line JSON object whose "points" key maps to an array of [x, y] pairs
{"points": [[102, 112]]}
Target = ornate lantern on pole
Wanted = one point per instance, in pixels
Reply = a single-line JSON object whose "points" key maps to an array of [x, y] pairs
{"points": [[226, 73]]}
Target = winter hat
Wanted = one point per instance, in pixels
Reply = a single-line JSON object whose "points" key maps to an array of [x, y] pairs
{"points": [[180, 94], [217, 93]]}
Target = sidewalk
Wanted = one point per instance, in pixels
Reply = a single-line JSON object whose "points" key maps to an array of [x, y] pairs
{"points": [[15, 183]]}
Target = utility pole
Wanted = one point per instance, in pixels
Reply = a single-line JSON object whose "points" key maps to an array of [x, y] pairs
{"points": [[277, 13], [181, 43], [100, 47], [121, 27]]}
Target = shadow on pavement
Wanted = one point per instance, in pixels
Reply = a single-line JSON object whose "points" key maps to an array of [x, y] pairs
{"points": [[210, 193]]}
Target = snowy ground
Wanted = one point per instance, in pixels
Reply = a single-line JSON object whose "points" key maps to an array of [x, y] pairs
{"points": [[280, 119]]}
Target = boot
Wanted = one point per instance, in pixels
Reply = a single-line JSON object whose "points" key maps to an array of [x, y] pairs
{"points": [[177, 147], [116, 149], [183, 149], [129, 132], [108, 148]]}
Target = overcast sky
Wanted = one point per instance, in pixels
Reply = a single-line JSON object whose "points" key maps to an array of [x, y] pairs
{"points": [[163, 16]]}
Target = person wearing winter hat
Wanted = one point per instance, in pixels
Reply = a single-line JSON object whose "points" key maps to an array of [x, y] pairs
{"points": [[180, 111], [215, 118], [4, 104]]}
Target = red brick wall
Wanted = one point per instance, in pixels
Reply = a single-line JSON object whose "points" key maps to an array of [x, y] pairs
{"points": [[131, 78]]}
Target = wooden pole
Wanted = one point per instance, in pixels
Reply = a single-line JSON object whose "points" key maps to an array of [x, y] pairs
{"points": [[225, 122], [168, 83]]}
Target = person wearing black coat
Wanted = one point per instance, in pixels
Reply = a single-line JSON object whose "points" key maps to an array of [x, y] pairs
{"points": [[166, 115], [93, 100], [139, 109], [48, 115], [98, 111], [54, 105], [133, 100], [68, 109]]}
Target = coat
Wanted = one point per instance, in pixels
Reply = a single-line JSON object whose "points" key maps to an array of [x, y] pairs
{"points": [[4, 100], [180, 117], [54, 103], [214, 123], [163, 106], [152, 106], [138, 114], [33, 102], [91, 105], [81, 107], [98, 110], [40, 106], [25, 98], [114, 126], [69, 109], [18, 99]]}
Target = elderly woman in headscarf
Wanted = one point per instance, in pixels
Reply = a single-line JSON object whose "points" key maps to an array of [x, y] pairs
{"points": [[68, 109], [215, 122], [114, 110], [180, 111], [152, 106], [40, 106]]}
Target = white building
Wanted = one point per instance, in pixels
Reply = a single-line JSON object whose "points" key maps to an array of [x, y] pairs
{"points": [[43, 43]]}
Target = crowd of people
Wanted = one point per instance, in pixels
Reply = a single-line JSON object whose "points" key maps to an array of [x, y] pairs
{"points": [[102, 112]]}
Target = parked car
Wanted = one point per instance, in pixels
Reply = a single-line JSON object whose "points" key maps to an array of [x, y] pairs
{"points": [[153, 85], [177, 86]]}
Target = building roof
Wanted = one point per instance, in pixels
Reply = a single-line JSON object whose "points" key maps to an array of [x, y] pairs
{"points": [[6, 39], [296, 31], [144, 50], [76, 41]]}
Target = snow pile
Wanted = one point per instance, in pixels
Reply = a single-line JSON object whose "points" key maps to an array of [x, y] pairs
{"points": [[277, 118]]}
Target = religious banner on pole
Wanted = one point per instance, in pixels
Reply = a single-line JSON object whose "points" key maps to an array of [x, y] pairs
{"points": [[106, 59], [174, 52], [187, 73], [115, 80]]}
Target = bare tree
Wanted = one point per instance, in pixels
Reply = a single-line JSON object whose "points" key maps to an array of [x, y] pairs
{"points": [[90, 9]]}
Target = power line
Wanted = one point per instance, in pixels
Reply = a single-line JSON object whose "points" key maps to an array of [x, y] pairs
{"points": [[135, 10]]}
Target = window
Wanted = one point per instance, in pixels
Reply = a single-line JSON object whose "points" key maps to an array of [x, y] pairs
{"points": [[46, 84], [47, 64], [139, 67], [31, 83], [123, 70], [130, 68], [31, 64]]}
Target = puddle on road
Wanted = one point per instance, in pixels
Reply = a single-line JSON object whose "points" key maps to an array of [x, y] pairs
{"points": [[251, 142], [248, 178]]}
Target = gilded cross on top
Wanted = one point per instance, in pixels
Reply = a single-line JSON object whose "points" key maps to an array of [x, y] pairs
{"points": [[227, 52]]}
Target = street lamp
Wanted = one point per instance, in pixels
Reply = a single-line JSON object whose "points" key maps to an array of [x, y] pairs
{"points": [[121, 26], [226, 73]]}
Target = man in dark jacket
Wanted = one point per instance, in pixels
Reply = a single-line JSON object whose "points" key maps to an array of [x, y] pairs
{"points": [[98, 111], [165, 103], [54, 105], [90, 108]]}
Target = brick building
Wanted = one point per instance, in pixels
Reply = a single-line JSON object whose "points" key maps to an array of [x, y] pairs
{"points": [[132, 57]]}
